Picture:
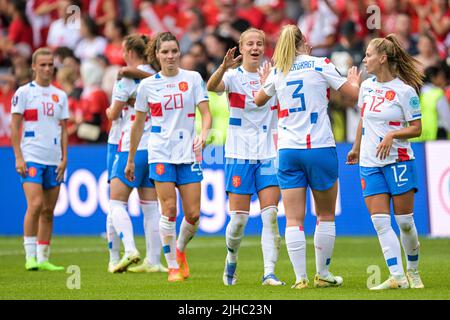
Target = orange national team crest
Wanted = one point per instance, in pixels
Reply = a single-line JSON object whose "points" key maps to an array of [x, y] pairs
{"points": [[55, 98], [183, 86], [236, 181], [32, 171], [363, 183], [160, 169], [390, 95]]}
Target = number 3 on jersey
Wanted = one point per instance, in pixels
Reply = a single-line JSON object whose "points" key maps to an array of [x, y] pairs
{"points": [[297, 95]]}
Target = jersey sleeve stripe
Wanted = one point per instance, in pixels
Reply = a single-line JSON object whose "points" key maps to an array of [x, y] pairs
{"points": [[30, 115], [273, 108], [283, 113], [191, 115], [394, 123], [29, 134]]}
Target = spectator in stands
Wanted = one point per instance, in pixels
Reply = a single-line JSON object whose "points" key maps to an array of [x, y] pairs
{"points": [[91, 44], [318, 24], [160, 16], [389, 16], [434, 105], [66, 79], [229, 25], [403, 33], [216, 48], [275, 19], [102, 11], [65, 32], [115, 32], [350, 49], [94, 103], [195, 30], [41, 13], [428, 55], [6, 94], [20, 32], [74, 64], [198, 52], [434, 17], [248, 11]]}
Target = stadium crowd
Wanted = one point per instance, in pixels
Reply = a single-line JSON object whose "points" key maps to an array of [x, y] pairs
{"points": [[87, 37]]}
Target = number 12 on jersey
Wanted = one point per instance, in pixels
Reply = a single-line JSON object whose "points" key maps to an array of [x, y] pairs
{"points": [[297, 95]]}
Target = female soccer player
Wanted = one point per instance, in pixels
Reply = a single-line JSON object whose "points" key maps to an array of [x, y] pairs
{"points": [[171, 97], [118, 221], [306, 147], [390, 115], [41, 155], [250, 151]]}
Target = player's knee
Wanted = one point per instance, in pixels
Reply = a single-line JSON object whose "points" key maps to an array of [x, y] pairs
{"points": [[47, 214], [193, 215], [35, 207]]}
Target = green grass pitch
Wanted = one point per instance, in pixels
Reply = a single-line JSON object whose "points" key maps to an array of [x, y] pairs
{"points": [[206, 255]]}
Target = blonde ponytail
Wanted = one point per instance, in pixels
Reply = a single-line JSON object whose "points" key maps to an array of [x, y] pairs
{"points": [[286, 47]]}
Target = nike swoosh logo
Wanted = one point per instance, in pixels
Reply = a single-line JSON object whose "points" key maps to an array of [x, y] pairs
{"points": [[331, 282], [244, 83], [159, 89], [401, 185]]}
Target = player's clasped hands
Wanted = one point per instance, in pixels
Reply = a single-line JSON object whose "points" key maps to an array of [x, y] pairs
{"points": [[129, 171]]}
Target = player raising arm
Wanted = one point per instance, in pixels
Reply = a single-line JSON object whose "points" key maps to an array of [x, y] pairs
{"points": [[250, 152], [171, 97], [41, 155], [306, 147], [390, 115]]}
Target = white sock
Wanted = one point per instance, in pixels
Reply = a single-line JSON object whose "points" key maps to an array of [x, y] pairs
{"points": [[296, 247], [324, 244], [234, 233], [389, 243], [270, 239], [113, 241], [122, 223], [151, 230], [43, 251], [168, 236], [410, 239], [29, 243], [187, 232]]}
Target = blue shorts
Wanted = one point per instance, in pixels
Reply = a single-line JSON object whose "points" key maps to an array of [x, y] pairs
{"points": [[41, 174], [142, 179], [182, 173], [249, 176], [394, 179], [110, 156], [299, 168]]}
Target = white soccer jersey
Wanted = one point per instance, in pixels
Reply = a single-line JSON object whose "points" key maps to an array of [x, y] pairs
{"points": [[252, 130], [42, 108], [171, 102], [124, 90], [303, 95], [385, 107]]}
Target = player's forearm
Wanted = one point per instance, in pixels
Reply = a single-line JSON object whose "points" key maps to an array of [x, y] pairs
{"points": [[357, 143], [137, 129], [64, 140], [412, 131], [216, 78], [135, 73], [15, 136], [206, 125]]}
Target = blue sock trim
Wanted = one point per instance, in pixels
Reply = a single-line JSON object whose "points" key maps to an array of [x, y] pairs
{"points": [[121, 235], [328, 262], [413, 258], [166, 249], [110, 245], [391, 262]]}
